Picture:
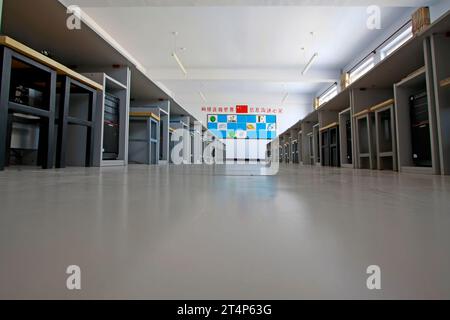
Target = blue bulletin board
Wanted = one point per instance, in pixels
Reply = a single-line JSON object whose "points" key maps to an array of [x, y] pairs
{"points": [[240, 126]]}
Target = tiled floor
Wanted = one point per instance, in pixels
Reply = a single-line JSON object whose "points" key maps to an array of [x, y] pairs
{"points": [[195, 232]]}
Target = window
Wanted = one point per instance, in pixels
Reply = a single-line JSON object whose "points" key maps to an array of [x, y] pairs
{"points": [[329, 94], [397, 42], [362, 69], [394, 42]]}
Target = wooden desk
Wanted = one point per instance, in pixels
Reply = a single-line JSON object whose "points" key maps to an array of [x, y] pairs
{"points": [[361, 113], [18, 57], [382, 105], [332, 125], [145, 115], [40, 58]]}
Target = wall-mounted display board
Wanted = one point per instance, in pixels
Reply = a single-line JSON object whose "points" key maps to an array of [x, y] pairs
{"points": [[239, 126]]}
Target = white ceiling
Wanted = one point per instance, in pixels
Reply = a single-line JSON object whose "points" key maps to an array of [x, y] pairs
{"points": [[242, 53]]}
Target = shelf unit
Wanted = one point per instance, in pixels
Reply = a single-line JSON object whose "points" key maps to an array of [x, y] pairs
{"points": [[180, 122], [16, 70], [311, 159], [293, 139], [281, 153], [196, 144], [362, 101], [113, 108], [416, 131], [316, 144], [329, 138], [365, 139], [172, 143], [346, 138], [143, 138], [161, 109], [330, 152], [286, 151], [307, 139], [385, 138], [76, 124], [295, 151], [440, 53], [300, 147]]}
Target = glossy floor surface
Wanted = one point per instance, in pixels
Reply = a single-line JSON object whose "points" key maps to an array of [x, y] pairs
{"points": [[195, 232]]}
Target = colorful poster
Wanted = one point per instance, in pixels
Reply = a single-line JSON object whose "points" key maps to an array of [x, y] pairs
{"points": [[238, 126]]}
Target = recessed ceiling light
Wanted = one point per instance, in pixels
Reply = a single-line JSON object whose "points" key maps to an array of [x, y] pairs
{"points": [[285, 98]]}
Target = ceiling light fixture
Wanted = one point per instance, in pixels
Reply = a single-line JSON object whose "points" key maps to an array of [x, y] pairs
{"points": [[310, 62], [285, 98], [174, 53], [180, 64], [202, 96]]}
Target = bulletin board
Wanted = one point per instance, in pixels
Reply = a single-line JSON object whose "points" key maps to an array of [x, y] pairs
{"points": [[238, 126]]}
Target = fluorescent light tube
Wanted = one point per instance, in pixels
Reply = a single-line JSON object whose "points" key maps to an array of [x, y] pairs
{"points": [[202, 96], [285, 97], [309, 64], [180, 64]]}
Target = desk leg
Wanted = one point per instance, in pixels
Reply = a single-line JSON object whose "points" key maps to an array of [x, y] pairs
{"points": [[149, 141], [61, 142], [48, 144], [91, 130], [8, 140], [5, 65]]}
